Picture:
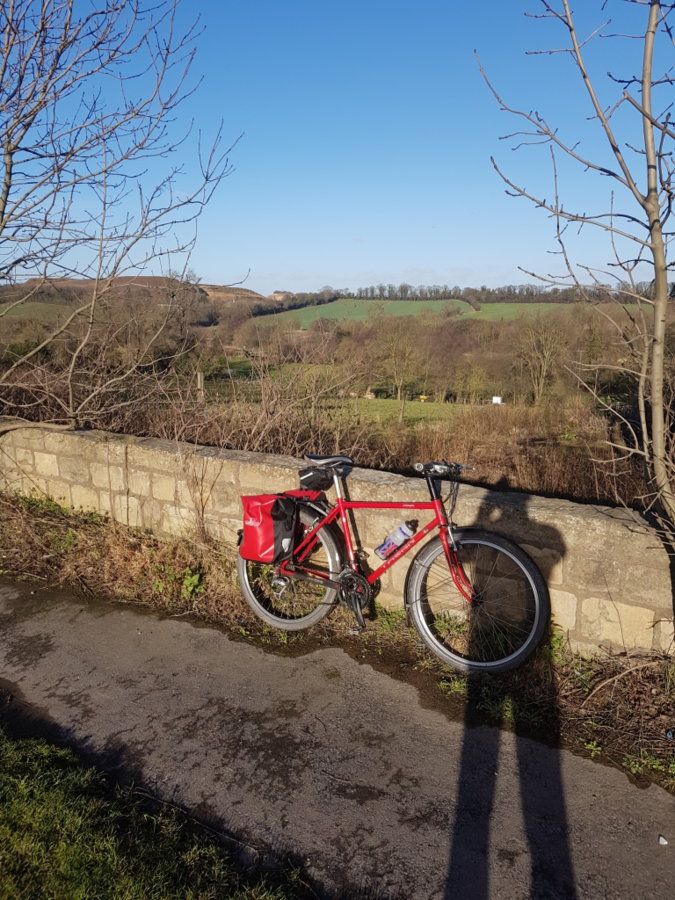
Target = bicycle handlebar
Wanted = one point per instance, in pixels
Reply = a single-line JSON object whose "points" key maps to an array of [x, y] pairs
{"points": [[441, 469]]}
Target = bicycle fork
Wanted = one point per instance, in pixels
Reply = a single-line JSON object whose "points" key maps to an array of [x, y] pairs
{"points": [[457, 573]]}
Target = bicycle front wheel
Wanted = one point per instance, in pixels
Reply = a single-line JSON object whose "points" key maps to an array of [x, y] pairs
{"points": [[504, 622], [290, 603]]}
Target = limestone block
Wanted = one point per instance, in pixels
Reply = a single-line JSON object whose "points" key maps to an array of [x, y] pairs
{"points": [[621, 624], [177, 521], [73, 469], [82, 445], [163, 487], [84, 497], [7, 454], [145, 456], [107, 477], [224, 499], [219, 493], [597, 573], [548, 561], [24, 458], [64, 443], [151, 513], [265, 479], [391, 591], [59, 491], [564, 609], [127, 510], [224, 530], [188, 495], [46, 464], [29, 438], [10, 481], [216, 471], [664, 635], [111, 451], [36, 486], [139, 482], [583, 648]]}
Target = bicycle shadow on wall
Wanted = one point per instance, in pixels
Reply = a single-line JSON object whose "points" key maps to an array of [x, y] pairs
{"points": [[477, 850]]}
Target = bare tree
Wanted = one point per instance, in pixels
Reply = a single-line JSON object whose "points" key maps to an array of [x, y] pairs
{"points": [[89, 189], [400, 357], [638, 164], [541, 347]]}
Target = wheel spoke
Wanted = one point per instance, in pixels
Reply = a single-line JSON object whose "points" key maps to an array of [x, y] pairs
{"points": [[292, 599], [501, 619]]}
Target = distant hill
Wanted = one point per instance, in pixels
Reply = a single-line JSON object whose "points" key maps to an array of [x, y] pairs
{"points": [[224, 292], [71, 291], [51, 302], [141, 287]]}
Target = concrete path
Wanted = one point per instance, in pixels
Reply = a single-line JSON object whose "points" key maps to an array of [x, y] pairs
{"points": [[331, 762]]}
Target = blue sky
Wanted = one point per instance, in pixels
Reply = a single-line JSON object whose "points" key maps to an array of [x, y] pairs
{"points": [[367, 135]]}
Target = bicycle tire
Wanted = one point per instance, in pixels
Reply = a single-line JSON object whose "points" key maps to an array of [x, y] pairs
{"points": [[311, 602], [457, 632]]}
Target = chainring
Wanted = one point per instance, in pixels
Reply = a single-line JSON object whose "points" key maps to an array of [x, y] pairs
{"points": [[355, 590]]}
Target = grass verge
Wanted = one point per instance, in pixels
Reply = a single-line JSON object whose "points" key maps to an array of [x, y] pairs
{"points": [[615, 709], [66, 832]]}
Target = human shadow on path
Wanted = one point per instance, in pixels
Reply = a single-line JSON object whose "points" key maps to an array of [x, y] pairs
{"points": [[476, 849]]}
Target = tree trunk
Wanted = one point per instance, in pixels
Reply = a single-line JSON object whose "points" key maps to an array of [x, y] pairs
{"points": [[652, 208]]}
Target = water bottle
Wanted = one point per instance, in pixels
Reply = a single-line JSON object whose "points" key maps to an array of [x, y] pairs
{"points": [[396, 539]]}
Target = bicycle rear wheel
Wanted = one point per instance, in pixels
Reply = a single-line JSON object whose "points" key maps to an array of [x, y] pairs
{"points": [[288, 603], [504, 623]]}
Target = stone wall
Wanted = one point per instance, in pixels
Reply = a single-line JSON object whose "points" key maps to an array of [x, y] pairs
{"points": [[608, 575]]}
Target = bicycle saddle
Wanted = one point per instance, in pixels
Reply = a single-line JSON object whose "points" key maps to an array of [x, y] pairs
{"points": [[329, 460]]}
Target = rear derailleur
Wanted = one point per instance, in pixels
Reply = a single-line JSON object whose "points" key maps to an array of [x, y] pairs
{"points": [[356, 594]]}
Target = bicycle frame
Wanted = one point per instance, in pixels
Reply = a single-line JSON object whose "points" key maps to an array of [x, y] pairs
{"points": [[341, 510]]}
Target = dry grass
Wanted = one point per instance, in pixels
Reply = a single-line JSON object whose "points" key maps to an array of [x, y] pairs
{"points": [[556, 450], [110, 561]]}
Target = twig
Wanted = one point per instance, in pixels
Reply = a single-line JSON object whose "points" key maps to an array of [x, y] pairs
{"points": [[616, 678]]}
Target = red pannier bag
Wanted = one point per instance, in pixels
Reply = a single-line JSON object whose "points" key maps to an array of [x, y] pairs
{"points": [[270, 522]]}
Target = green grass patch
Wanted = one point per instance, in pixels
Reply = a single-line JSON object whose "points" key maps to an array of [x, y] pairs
{"points": [[41, 505], [65, 832], [456, 685], [390, 621], [39, 311], [505, 312], [386, 410]]}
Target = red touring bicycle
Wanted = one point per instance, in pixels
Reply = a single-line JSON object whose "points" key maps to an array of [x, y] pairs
{"points": [[478, 601]]}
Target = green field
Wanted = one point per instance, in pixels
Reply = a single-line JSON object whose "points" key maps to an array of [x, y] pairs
{"points": [[38, 311], [386, 410], [495, 312], [359, 310]]}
